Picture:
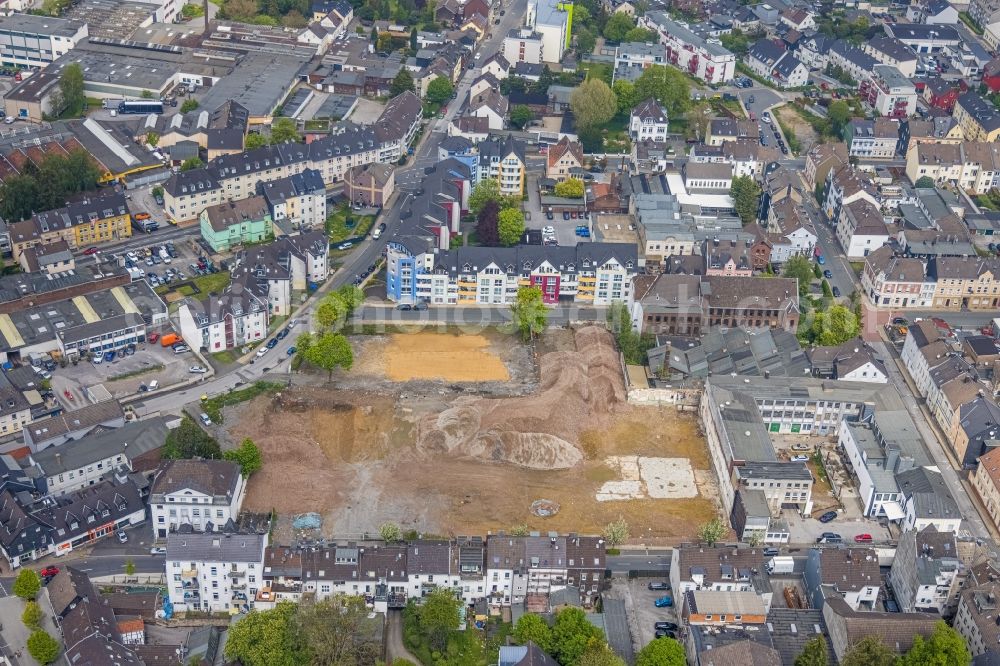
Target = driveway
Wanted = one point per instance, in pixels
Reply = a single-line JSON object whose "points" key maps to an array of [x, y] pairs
{"points": [[394, 648]]}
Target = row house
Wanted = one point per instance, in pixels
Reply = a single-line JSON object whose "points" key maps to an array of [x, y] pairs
{"points": [[214, 572], [846, 185], [852, 60], [771, 61], [236, 176], [926, 574], [721, 130], [965, 283], [236, 222], [536, 565], [300, 199], [933, 130], [975, 428], [977, 116], [696, 568], [820, 161], [203, 494], [705, 59], [923, 349], [978, 609], [889, 93], [872, 139], [789, 219], [91, 221], [852, 573], [890, 51], [237, 317], [972, 165], [986, 481], [287, 265], [861, 229], [876, 458], [891, 281]]}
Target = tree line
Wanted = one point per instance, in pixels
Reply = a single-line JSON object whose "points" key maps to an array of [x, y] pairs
{"points": [[47, 185]]}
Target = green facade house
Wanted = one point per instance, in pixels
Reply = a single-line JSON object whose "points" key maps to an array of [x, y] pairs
{"points": [[233, 223]]}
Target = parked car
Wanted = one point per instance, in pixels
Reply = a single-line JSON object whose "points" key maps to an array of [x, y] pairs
{"points": [[549, 215], [828, 274], [663, 633], [109, 356], [800, 458], [345, 245], [828, 517], [548, 229], [197, 369], [205, 419], [157, 550], [69, 395], [664, 602], [283, 333], [565, 214], [420, 305], [405, 307], [291, 351], [820, 260], [263, 350], [49, 571], [180, 349], [771, 551], [667, 626], [829, 537], [152, 337], [272, 343], [659, 585], [91, 250], [801, 447], [863, 538], [122, 537], [836, 292]]}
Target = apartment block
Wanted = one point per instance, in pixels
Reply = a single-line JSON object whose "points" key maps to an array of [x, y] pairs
{"points": [[705, 59], [203, 494], [90, 221], [27, 40], [889, 93], [214, 572]]}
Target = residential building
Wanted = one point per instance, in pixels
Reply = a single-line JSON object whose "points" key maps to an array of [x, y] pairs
{"points": [[727, 258], [853, 361], [891, 51], [519, 567], [791, 231], [492, 106], [523, 45], [941, 94], [686, 305], [370, 184], [986, 481], [503, 160], [893, 281], [844, 186], [290, 264], [855, 62], [87, 222], [889, 93], [976, 618], [716, 568], [926, 574], [705, 59], [15, 410], [553, 20], [718, 608], [978, 118], [820, 160], [926, 501], [395, 128], [786, 485], [981, 10], [771, 61], [721, 130], [229, 320], [851, 573], [965, 283], [872, 139], [73, 425], [204, 494], [846, 627], [861, 229], [973, 166], [214, 572], [564, 160], [49, 258], [29, 41], [297, 201], [648, 122], [933, 12], [31, 529], [975, 430], [232, 223], [633, 58], [925, 38], [99, 456], [876, 457]]}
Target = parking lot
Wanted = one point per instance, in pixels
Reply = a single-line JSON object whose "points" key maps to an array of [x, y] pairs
{"points": [[562, 229], [123, 375], [809, 529], [641, 609]]}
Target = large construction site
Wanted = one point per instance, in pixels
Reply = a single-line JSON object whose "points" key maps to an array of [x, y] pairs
{"points": [[465, 434]]}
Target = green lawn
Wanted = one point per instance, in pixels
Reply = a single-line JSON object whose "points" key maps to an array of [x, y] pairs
{"points": [[598, 70], [226, 357], [212, 283], [343, 224], [213, 406]]}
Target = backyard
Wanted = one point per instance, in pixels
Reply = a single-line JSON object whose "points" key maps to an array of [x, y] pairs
{"points": [[342, 224], [212, 283]]}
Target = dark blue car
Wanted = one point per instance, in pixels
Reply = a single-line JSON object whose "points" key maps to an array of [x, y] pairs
{"points": [[828, 517]]}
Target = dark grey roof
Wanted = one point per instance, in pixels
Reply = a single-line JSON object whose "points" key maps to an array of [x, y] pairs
{"points": [[133, 440], [793, 471], [215, 547], [211, 477], [981, 110], [766, 51], [922, 31]]}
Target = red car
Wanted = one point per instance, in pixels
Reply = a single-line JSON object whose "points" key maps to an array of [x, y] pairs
{"points": [[153, 337], [49, 571], [69, 396], [863, 538], [91, 250]]}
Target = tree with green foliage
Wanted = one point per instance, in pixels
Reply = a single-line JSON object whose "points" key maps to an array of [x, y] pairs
{"points": [[746, 198], [814, 653], [616, 532], [585, 41], [800, 268], [737, 42], [924, 181], [414, 44], [661, 652], [32, 615], [593, 103], [328, 351], [331, 313], [591, 138], [27, 584], [152, 138], [484, 191], [74, 100], [944, 647], [129, 567], [402, 82], [817, 271], [520, 115], [192, 163], [531, 627], [488, 224], [267, 638], [571, 188], [43, 648], [439, 616], [827, 291], [48, 186], [600, 655], [631, 344], [188, 440], [572, 635], [666, 85], [254, 140], [334, 631], [712, 532], [624, 92], [528, 312], [284, 130], [640, 35], [510, 226], [351, 296], [839, 114], [189, 105], [390, 532], [869, 651], [834, 327], [439, 90], [247, 454], [617, 27]]}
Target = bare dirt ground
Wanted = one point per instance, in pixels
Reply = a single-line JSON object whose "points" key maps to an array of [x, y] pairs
{"points": [[428, 355], [448, 458], [800, 128]]}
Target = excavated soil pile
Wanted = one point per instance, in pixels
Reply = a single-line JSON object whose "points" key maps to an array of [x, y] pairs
{"points": [[578, 390]]}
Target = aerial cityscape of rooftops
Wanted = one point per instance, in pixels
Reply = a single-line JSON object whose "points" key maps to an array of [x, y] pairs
{"points": [[500, 332]]}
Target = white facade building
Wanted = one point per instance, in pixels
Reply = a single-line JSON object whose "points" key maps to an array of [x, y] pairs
{"points": [[214, 572], [205, 494]]}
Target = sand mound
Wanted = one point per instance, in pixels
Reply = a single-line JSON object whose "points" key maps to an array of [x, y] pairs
{"points": [[539, 431]]}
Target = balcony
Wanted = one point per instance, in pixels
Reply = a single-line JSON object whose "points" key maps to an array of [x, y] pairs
{"points": [[237, 574], [189, 573]]}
